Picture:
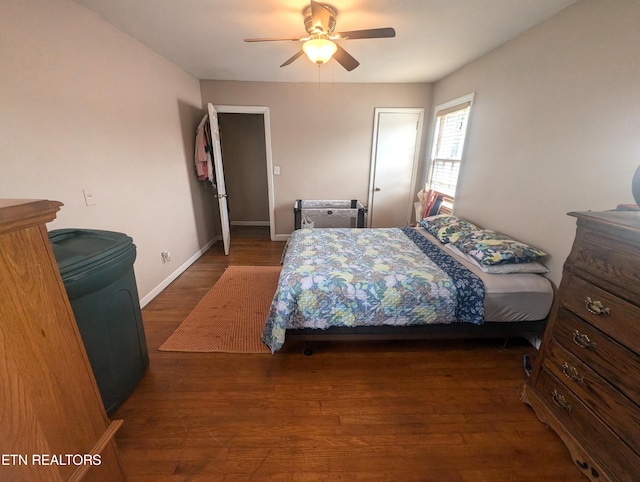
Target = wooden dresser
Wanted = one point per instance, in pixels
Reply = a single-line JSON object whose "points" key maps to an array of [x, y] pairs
{"points": [[53, 426], [586, 379]]}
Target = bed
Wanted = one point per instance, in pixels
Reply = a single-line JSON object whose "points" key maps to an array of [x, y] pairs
{"points": [[404, 283]]}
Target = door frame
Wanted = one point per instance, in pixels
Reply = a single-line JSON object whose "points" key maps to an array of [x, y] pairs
{"points": [[416, 155], [264, 111]]}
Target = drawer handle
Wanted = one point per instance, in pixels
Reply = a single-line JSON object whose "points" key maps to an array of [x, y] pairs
{"points": [[596, 307], [572, 373], [583, 341], [560, 401]]}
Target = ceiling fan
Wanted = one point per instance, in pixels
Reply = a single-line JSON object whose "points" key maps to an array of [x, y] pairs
{"points": [[319, 45]]}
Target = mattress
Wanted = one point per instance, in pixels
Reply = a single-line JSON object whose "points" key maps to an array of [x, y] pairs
{"points": [[508, 297]]}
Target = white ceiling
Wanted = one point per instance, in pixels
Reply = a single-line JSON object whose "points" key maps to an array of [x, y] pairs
{"points": [[433, 37]]}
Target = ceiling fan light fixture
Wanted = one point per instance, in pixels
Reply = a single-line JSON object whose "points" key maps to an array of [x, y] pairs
{"points": [[319, 50], [320, 24]]}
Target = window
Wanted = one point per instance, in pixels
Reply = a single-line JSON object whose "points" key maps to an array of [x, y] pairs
{"points": [[448, 145]]}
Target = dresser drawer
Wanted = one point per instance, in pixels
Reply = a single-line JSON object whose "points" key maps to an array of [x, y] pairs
{"points": [[603, 355], [622, 463], [616, 410], [620, 319], [607, 257]]}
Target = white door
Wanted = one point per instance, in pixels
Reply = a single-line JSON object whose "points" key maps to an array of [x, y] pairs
{"points": [[217, 165], [395, 153]]}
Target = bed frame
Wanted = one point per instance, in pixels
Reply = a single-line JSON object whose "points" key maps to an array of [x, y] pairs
{"points": [[490, 329]]}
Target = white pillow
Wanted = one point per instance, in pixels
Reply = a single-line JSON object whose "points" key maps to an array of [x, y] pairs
{"points": [[531, 267]]}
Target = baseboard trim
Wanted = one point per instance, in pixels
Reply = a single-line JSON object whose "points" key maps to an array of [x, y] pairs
{"points": [[535, 342], [158, 289], [249, 223]]}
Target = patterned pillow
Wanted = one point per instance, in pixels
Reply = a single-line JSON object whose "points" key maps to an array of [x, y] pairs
{"points": [[447, 228], [492, 248], [507, 268]]}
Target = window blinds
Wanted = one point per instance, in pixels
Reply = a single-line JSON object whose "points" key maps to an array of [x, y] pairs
{"points": [[451, 129]]}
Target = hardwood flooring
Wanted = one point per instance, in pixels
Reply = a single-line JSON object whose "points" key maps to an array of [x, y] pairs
{"points": [[354, 411]]}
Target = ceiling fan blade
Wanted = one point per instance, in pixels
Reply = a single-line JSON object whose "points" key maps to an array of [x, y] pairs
{"points": [[387, 32], [320, 16], [345, 59], [295, 39], [292, 59]]}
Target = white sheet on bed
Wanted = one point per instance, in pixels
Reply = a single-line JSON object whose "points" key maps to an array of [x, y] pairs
{"points": [[508, 297]]}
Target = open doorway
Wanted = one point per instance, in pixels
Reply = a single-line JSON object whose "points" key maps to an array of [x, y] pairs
{"points": [[245, 137], [245, 168]]}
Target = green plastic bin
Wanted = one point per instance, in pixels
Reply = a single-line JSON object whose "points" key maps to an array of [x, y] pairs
{"points": [[97, 271]]}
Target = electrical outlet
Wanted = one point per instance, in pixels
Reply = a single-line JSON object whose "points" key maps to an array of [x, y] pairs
{"points": [[89, 199], [166, 256]]}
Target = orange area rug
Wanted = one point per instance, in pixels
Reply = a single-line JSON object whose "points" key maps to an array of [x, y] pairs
{"points": [[231, 316]]}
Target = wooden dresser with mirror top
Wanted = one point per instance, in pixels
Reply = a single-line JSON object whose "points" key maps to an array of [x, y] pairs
{"points": [[585, 383], [54, 426]]}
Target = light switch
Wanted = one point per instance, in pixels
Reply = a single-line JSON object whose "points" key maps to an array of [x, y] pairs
{"points": [[276, 170]]}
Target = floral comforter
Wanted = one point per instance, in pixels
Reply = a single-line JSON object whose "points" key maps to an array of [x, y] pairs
{"points": [[365, 277]]}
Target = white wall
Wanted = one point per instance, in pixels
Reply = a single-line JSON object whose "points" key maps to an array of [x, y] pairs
{"points": [[321, 134], [555, 125], [85, 106]]}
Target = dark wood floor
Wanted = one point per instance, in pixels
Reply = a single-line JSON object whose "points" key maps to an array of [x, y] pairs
{"points": [[354, 411]]}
